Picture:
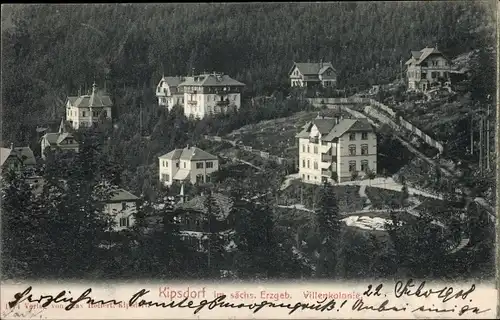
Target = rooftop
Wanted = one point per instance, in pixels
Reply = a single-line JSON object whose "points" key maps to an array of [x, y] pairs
{"points": [[198, 203], [312, 68], [211, 80], [97, 99], [188, 153], [122, 195], [329, 130], [25, 154], [418, 57]]}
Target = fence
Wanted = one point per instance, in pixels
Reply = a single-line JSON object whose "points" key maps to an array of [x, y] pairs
{"points": [[260, 153]]}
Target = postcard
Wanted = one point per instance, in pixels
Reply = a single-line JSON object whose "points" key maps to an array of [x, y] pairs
{"points": [[249, 160]]}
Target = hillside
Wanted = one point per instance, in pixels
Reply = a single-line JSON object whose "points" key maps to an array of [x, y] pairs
{"points": [[52, 50]]}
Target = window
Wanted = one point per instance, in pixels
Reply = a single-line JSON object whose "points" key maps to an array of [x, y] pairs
{"points": [[364, 135], [166, 164], [208, 179], [184, 164], [308, 177], [303, 148], [124, 205], [124, 222], [315, 165], [364, 165], [199, 178], [308, 149], [424, 75], [199, 165], [303, 177], [316, 149], [352, 149], [308, 164], [433, 75], [177, 164], [209, 165], [303, 163], [364, 149], [105, 113], [352, 166], [352, 136], [95, 114], [84, 114], [165, 177]]}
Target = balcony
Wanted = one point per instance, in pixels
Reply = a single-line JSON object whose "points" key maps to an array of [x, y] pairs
{"points": [[313, 140], [222, 103], [192, 102], [327, 158]]}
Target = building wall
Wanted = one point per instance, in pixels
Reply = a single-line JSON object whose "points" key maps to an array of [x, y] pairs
{"points": [[421, 73], [80, 117], [169, 167], [207, 103], [117, 211], [344, 157], [204, 172]]}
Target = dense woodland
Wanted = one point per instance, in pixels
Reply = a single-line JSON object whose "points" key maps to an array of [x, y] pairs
{"points": [[50, 52]]}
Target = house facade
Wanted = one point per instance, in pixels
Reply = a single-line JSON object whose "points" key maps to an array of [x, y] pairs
{"points": [[18, 159], [196, 225], [210, 93], [313, 74], [86, 110], [189, 164], [58, 141], [169, 93], [122, 205], [426, 68], [332, 149]]}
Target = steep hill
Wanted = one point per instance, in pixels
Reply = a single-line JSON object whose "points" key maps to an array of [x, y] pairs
{"points": [[51, 50]]}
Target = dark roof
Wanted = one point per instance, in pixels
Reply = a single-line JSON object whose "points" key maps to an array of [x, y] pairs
{"points": [[97, 99], [417, 57], [314, 68], [25, 154], [329, 130], [122, 195], [192, 154], [210, 80], [172, 81], [223, 202]]}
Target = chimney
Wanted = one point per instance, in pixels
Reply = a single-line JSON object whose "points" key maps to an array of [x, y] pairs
{"points": [[187, 146], [321, 63], [11, 146]]}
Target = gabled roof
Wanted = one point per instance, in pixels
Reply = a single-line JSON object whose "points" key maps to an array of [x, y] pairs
{"points": [[63, 136], [97, 99], [122, 195], [4, 154], [332, 130], [191, 154], [311, 68], [172, 81], [25, 154], [211, 80], [223, 203], [417, 57]]}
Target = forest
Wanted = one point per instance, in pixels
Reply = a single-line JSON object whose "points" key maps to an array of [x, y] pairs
{"points": [[51, 51]]}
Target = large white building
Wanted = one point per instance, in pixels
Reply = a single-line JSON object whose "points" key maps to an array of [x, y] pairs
{"points": [[426, 68], [210, 93], [332, 149], [188, 164], [169, 93], [86, 110]]}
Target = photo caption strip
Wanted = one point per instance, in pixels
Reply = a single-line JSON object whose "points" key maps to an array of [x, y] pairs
{"points": [[401, 299]]}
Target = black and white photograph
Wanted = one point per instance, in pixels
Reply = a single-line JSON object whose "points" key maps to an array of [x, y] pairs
{"points": [[342, 141]]}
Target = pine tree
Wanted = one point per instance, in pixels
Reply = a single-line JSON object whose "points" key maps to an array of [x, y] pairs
{"points": [[329, 226]]}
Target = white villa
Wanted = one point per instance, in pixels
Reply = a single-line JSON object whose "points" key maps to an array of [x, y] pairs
{"points": [[60, 141], [331, 149], [210, 93], [122, 205], [426, 68], [313, 74], [190, 163], [169, 93], [85, 111]]}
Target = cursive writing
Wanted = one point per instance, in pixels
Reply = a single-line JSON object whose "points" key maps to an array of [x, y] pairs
{"points": [[359, 305], [445, 293], [49, 299], [29, 314]]}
